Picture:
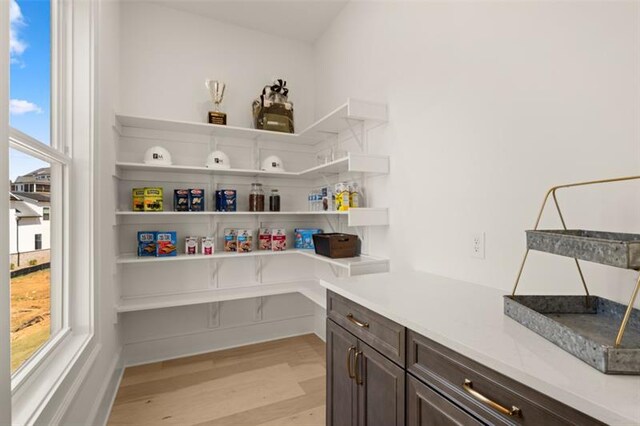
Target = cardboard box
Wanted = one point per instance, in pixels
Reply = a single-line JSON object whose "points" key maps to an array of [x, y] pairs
{"points": [[166, 244], [226, 200], [278, 239], [207, 246], [196, 200], [137, 197], [153, 199], [245, 240], [304, 237], [191, 245], [146, 243], [230, 240], [181, 200], [264, 239]]}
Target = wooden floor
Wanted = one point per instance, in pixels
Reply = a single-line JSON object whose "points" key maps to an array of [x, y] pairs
{"points": [[278, 383]]}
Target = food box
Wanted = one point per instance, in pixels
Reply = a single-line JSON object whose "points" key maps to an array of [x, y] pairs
{"points": [[245, 240], [153, 199], [146, 243], [304, 237], [264, 239], [181, 200], [226, 200], [278, 239], [196, 200], [166, 244], [137, 196], [328, 198], [337, 245], [191, 245], [230, 240], [207, 245]]}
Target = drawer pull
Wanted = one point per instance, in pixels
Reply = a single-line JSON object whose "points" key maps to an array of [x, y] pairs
{"points": [[468, 386], [360, 324], [350, 372], [358, 373]]}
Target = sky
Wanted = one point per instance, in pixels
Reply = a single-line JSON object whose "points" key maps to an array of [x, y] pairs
{"points": [[30, 79]]}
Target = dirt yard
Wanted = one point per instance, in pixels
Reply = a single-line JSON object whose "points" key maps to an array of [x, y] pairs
{"points": [[30, 315]]}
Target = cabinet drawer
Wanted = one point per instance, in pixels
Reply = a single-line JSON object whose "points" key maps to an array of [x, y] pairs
{"points": [[384, 335], [467, 383]]}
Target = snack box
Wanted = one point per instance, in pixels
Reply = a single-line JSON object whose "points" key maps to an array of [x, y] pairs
{"points": [[226, 200], [137, 196], [153, 199], [191, 245], [196, 200], [166, 244], [146, 243], [278, 239], [245, 240], [181, 200], [304, 237], [264, 239], [328, 198], [207, 245], [230, 240]]}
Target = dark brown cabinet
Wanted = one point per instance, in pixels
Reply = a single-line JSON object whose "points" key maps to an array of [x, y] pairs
{"points": [[425, 407], [342, 397]]}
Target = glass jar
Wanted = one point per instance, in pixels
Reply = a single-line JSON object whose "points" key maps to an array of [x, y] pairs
{"points": [[256, 198], [274, 201]]}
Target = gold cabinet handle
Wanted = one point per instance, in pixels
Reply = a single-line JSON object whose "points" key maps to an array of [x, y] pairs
{"points": [[359, 379], [360, 324], [350, 372], [468, 387]]}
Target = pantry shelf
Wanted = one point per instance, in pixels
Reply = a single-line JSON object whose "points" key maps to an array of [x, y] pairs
{"points": [[347, 115], [352, 163], [361, 265], [143, 303]]}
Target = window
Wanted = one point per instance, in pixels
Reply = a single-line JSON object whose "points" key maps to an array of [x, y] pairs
{"points": [[45, 213], [37, 243]]}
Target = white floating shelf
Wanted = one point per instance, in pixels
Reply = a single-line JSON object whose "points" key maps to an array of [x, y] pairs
{"points": [[357, 163], [362, 216], [361, 265], [147, 302], [348, 114]]}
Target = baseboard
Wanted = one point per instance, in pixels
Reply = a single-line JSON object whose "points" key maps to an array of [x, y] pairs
{"points": [[163, 349], [102, 408]]}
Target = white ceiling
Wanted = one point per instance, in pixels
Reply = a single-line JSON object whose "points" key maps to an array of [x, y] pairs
{"points": [[303, 20]]}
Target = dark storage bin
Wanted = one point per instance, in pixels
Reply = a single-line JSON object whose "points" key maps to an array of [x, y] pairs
{"points": [[336, 245]]}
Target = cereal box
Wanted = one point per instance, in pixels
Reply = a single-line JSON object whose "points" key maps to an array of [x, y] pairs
{"points": [[207, 245], [230, 240], [147, 243], [137, 196], [264, 239], [196, 200], [166, 244], [245, 240], [153, 199], [191, 245], [181, 200], [226, 200], [278, 240], [304, 237]]}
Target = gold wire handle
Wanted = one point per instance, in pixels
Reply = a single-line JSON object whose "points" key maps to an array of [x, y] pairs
{"points": [[552, 192], [360, 324], [468, 387]]}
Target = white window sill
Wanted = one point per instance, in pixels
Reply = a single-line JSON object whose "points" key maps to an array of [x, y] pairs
{"points": [[34, 386]]}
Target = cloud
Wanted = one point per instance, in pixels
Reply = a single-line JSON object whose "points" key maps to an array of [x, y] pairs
{"points": [[17, 46], [19, 107]]}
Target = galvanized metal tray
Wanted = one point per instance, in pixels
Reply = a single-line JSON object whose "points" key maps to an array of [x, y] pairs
{"points": [[609, 248], [583, 326]]}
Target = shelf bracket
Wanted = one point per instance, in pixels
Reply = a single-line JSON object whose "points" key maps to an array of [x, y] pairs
{"points": [[259, 314], [331, 226], [259, 267], [214, 315], [214, 274], [358, 137]]}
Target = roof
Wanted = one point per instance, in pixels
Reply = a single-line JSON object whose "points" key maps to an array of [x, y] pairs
{"points": [[24, 210], [32, 176], [35, 196]]}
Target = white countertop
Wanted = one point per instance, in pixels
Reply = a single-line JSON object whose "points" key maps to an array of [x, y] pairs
{"points": [[469, 319]]}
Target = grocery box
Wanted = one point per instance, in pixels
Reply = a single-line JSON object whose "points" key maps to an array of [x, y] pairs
{"points": [[226, 200], [191, 245], [304, 237], [181, 200], [166, 244], [207, 246], [146, 243], [230, 240], [264, 239], [245, 240], [153, 199], [137, 196], [278, 239], [196, 200]]}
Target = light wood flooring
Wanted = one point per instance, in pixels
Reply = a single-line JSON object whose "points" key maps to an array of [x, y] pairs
{"points": [[278, 383]]}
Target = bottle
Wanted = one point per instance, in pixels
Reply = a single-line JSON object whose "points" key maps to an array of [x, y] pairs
{"points": [[354, 195], [256, 198], [274, 201]]}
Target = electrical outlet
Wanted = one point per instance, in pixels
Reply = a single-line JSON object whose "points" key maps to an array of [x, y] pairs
{"points": [[477, 245]]}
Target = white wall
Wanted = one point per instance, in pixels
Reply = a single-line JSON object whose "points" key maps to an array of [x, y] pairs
{"points": [[166, 55], [491, 103], [29, 227]]}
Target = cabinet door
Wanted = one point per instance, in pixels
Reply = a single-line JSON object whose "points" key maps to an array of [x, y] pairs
{"points": [[425, 407], [341, 387], [380, 389]]}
